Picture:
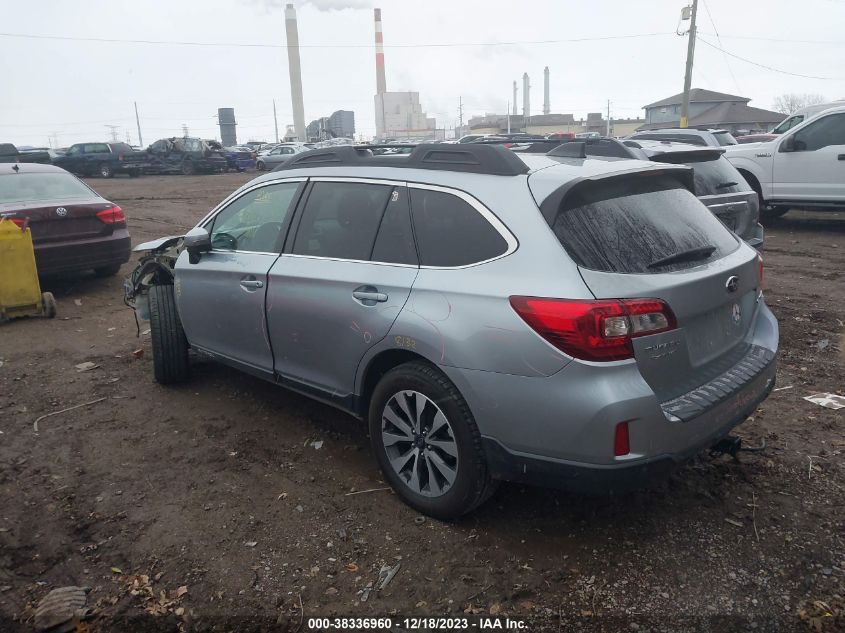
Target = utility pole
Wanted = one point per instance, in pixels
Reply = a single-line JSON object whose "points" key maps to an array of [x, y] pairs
{"points": [[138, 123], [461, 114], [275, 120], [113, 129], [688, 75], [185, 130], [608, 118]]}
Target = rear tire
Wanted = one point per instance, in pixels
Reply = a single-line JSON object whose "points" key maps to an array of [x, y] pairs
{"points": [[260, 165], [134, 173], [471, 485], [188, 168], [49, 303], [170, 347], [105, 170], [107, 271], [770, 214]]}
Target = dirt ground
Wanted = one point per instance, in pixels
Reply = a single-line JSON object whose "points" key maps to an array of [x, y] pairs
{"points": [[217, 487]]}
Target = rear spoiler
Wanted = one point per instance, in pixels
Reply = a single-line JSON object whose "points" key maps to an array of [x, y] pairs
{"points": [[684, 175]]}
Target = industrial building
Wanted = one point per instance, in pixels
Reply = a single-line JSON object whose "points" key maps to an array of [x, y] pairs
{"points": [[340, 124], [552, 123], [398, 114], [546, 123]]}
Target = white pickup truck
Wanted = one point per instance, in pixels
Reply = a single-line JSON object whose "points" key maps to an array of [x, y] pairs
{"points": [[803, 168]]}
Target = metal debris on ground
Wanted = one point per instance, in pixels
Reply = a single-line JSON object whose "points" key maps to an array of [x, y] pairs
{"points": [[827, 400], [77, 406], [386, 575], [61, 610], [87, 366]]}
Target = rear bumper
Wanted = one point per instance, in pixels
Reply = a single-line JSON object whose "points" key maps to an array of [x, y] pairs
{"points": [[756, 240], [559, 430], [616, 478], [73, 255]]}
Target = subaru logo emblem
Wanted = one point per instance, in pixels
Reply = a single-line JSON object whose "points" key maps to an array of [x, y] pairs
{"points": [[61, 212], [736, 314], [732, 283]]}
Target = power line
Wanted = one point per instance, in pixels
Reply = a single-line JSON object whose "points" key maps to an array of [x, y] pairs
{"points": [[719, 39], [776, 39], [284, 46], [777, 70]]}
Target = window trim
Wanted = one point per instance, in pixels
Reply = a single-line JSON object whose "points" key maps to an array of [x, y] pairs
{"points": [[487, 214], [212, 215]]}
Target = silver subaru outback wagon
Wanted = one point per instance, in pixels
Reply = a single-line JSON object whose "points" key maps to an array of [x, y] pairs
{"points": [[541, 318]]}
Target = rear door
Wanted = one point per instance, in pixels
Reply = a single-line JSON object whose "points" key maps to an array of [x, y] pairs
{"points": [[94, 154], [221, 298], [815, 169], [619, 231], [342, 282]]}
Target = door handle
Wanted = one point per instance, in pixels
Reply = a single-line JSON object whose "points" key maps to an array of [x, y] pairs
{"points": [[841, 157], [369, 295], [252, 283]]}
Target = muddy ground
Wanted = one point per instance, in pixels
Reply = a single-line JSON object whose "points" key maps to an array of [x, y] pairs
{"points": [[215, 486]]}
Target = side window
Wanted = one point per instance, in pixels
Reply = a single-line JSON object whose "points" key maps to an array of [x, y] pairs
{"points": [[254, 221], [341, 220], [159, 147], [829, 130], [287, 150], [96, 148], [395, 240], [74, 150], [450, 232]]}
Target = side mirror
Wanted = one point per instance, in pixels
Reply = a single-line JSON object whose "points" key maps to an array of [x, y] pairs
{"points": [[788, 144], [197, 241]]}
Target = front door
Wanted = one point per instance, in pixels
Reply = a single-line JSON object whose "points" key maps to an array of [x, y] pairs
{"points": [[221, 298], [815, 170], [342, 281]]}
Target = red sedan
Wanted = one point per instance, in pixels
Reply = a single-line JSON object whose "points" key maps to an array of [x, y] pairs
{"points": [[73, 228]]}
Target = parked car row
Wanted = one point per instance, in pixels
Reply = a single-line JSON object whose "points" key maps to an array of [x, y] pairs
{"points": [[559, 318]]}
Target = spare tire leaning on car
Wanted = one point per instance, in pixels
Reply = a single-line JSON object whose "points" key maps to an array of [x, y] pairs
{"points": [[170, 347]]}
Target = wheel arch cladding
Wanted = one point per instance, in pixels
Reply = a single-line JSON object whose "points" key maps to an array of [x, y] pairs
{"points": [[378, 366]]}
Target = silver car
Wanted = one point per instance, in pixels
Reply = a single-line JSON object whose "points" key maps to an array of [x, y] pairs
{"points": [[277, 156], [570, 322]]}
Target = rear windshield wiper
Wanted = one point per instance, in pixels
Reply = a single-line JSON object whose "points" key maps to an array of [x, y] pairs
{"points": [[724, 185], [693, 254]]}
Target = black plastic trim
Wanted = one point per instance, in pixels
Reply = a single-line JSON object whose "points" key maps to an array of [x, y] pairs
{"points": [[468, 158]]}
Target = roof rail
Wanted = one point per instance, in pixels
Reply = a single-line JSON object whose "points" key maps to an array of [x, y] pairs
{"points": [[469, 158]]}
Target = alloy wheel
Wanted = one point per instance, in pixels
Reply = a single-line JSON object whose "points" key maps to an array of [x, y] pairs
{"points": [[419, 443]]}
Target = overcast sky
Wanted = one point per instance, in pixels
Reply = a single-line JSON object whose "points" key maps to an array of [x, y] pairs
{"points": [[75, 88]]}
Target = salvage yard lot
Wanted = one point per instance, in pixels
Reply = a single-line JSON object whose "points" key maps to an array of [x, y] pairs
{"points": [[240, 491]]}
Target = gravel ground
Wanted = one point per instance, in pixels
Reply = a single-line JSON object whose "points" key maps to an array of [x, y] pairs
{"points": [[209, 507]]}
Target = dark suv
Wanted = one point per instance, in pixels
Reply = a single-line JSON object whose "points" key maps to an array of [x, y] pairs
{"points": [[717, 182], [102, 159], [185, 156]]}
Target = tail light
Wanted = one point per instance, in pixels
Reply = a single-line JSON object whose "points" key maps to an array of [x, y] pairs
{"points": [[600, 330], [120, 157], [112, 215], [759, 272], [20, 222]]}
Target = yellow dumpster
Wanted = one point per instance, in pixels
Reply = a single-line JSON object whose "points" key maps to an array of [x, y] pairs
{"points": [[20, 292]]}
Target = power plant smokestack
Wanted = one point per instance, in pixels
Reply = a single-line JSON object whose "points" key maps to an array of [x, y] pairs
{"points": [[526, 98], [514, 97], [381, 83], [546, 108], [295, 73]]}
